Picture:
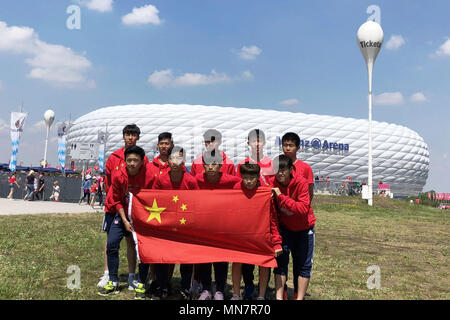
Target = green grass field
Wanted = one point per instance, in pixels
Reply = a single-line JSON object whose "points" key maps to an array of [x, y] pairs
{"points": [[408, 242]]}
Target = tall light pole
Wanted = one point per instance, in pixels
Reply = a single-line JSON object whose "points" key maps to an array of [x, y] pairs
{"points": [[49, 117], [370, 40]]}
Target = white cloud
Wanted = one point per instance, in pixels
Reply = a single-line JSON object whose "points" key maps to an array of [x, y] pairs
{"points": [[38, 126], [49, 62], [143, 15], [249, 53], [289, 102], [247, 75], [4, 126], [417, 97], [166, 78], [388, 99], [444, 49], [97, 5], [395, 42]]}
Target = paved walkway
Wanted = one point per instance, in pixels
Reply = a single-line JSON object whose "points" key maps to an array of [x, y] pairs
{"points": [[9, 207]]}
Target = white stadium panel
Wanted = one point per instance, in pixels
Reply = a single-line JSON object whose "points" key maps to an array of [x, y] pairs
{"points": [[333, 146]]}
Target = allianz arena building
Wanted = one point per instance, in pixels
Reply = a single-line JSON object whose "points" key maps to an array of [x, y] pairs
{"points": [[335, 147]]}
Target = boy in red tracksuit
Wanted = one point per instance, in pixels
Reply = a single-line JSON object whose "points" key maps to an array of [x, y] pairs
{"points": [[297, 220], [175, 179], [213, 139], [115, 162], [135, 175], [291, 144], [256, 141], [160, 164], [250, 183], [212, 179]]}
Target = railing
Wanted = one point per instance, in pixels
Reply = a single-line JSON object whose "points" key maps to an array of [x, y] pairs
{"points": [[337, 187]]}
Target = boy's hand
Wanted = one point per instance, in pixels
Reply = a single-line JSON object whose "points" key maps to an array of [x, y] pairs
{"points": [[276, 191], [278, 252], [128, 226]]}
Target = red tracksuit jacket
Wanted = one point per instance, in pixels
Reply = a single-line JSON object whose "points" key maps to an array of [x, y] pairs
{"points": [[265, 164], [227, 165], [294, 207], [158, 168], [122, 184], [164, 182]]}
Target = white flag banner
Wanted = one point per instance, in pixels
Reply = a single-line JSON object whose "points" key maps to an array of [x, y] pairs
{"points": [[101, 150], [63, 128], [17, 125]]}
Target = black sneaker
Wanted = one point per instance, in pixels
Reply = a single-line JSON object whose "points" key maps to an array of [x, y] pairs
{"points": [[160, 294], [153, 287], [185, 294], [249, 291]]}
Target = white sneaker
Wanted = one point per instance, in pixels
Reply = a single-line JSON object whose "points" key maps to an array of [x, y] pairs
{"points": [[132, 283], [236, 297], [206, 295], [218, 295], [103, 281]]}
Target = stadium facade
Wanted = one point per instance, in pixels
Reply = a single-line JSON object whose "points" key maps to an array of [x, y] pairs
{"points": [[335, 147]]}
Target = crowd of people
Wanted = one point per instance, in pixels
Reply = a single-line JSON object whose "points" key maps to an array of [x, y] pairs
{"points": [[34, 187], [292, 218], [93, 186]]}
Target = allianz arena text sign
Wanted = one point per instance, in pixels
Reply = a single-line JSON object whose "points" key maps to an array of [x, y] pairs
{"points": [[317, 145]]}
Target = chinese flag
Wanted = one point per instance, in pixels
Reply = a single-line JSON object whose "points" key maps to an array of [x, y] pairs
{"points": [[199, 226]]}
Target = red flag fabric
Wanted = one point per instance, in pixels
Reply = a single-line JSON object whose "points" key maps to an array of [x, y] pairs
{"points": [[200, 226]]}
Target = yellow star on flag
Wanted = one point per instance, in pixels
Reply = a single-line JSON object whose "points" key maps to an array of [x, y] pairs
{"points": [[183, 221], [183, 207], [175, 199], [155, 212]]}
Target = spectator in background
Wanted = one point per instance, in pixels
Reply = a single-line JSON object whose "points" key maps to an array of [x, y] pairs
{"points": [[40, 187], [100, 189], [29, 186], [93, 191], [55, 192], [86, 189], [12, 181]]}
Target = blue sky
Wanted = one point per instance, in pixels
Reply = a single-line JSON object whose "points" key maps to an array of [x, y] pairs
{"points": [[289, 55]]}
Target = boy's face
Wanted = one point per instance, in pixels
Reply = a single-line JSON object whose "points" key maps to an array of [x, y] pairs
{"points": [[176, 161], [283, 176], [212, 169], [256, 145], [290, 149], [134, 163], [250, 180], [164, 146], [130, 139], [212, 145]]}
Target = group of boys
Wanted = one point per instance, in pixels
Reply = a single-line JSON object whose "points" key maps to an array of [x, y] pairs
{"points": [[292, 219]]}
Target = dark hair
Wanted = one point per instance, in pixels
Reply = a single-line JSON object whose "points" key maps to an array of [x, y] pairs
{"points": [[291, 136], [164, 136], [212, 135], [134, 150], [177, 149], [131, 129], [258, 133], [210, 157], [282, 162], [250, 168]]}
